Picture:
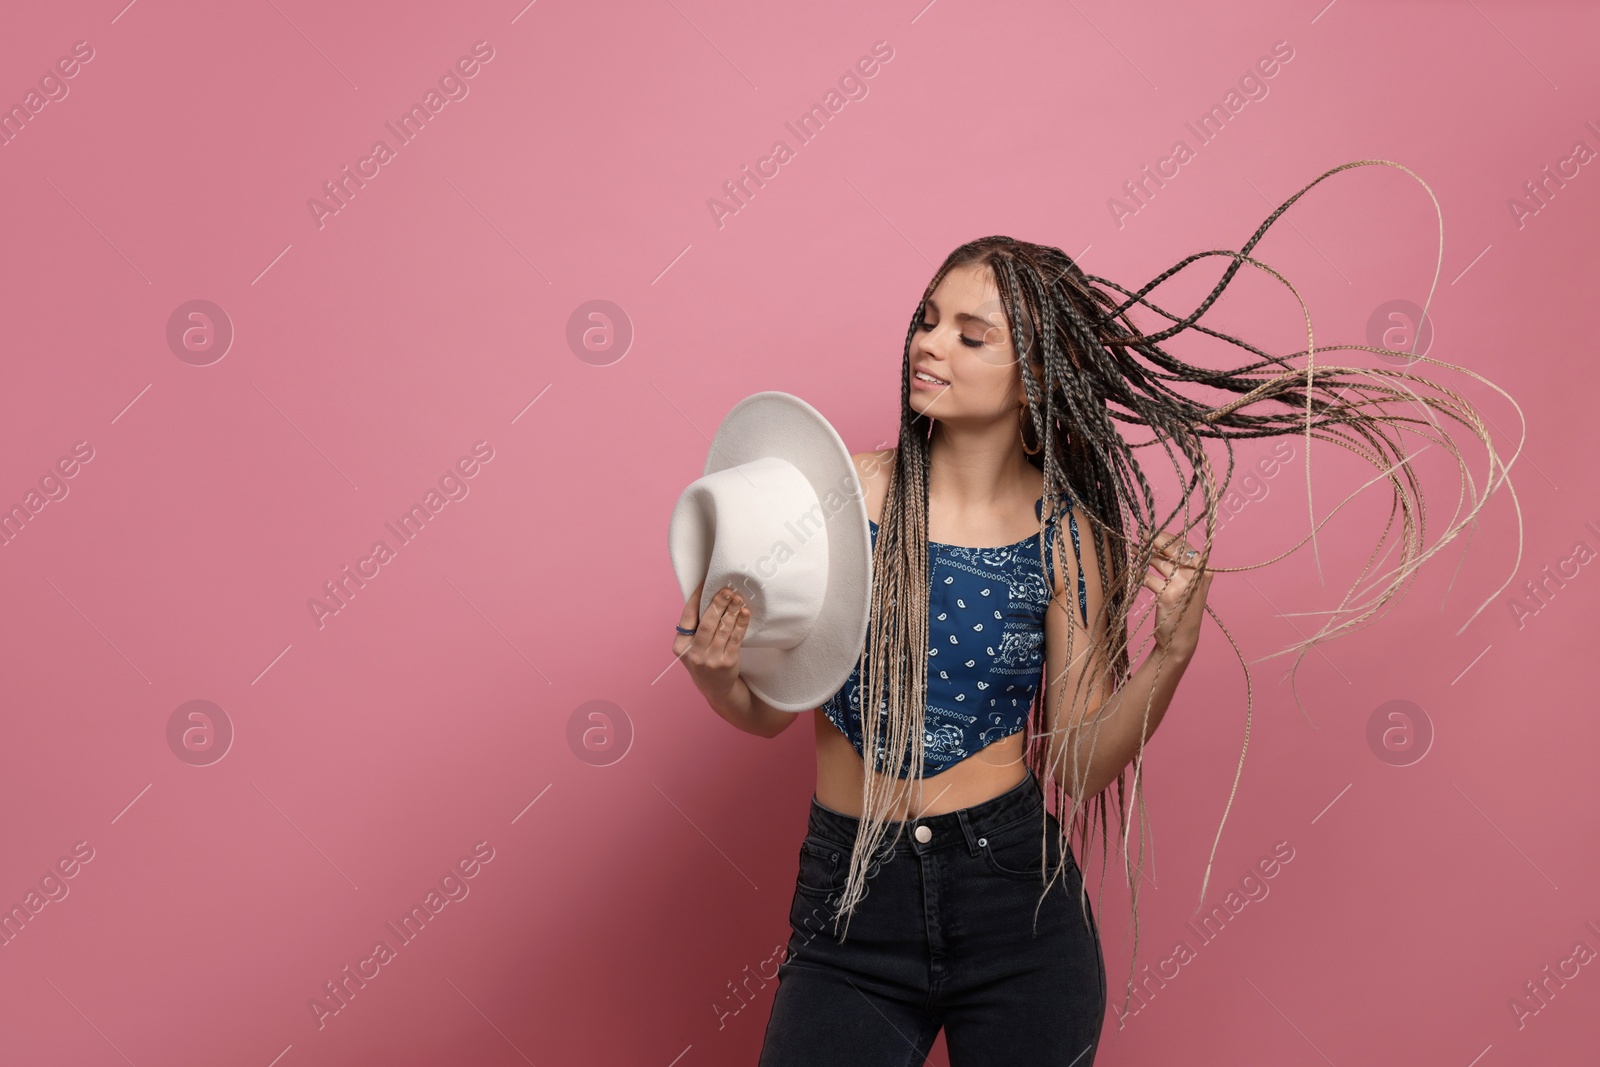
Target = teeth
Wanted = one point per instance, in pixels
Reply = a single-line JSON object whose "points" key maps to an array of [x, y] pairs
{"points": [[931, 378]]}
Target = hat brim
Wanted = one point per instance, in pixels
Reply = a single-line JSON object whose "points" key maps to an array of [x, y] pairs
{"points": [[780, 424]]}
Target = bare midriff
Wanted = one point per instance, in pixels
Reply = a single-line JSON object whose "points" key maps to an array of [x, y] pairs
{"points": [[984, 775]]}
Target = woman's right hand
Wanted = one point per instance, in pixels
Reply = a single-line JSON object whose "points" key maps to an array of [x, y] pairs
{"points": [[711, 654]]}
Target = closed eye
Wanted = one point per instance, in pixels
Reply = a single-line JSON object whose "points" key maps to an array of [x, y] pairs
{"points": [[969, 342]]}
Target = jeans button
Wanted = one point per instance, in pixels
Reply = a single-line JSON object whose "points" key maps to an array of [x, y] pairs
{"points": [[923, 834]]}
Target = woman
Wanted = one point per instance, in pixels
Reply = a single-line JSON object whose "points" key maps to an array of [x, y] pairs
{"points": [[1015, 368]]}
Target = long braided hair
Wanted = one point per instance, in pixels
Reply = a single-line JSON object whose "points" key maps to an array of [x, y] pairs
{"points": [[1098, 370]]}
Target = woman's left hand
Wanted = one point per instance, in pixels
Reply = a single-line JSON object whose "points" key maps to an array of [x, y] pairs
{"points": [[1180, 578]]}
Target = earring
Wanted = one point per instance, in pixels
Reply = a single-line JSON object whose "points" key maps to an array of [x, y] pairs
{"points": [[1022, 422]]}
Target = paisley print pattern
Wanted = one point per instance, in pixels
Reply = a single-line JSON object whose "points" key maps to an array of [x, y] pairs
{"points": [[985, 648]]}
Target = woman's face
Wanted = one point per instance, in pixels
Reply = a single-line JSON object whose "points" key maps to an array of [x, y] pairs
{"points": [[963, 340]]}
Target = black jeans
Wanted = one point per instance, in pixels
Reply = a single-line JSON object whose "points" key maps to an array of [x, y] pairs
{"points": [[943, 937]]}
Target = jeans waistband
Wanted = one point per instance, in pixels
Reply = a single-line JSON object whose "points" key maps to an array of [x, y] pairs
{"points": [[964, 825]]}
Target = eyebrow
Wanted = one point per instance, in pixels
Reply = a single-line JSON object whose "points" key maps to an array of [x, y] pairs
{"points": [[962, 316]]}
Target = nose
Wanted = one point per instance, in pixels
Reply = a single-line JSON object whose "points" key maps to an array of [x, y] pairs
{"points": [[933, 342]]}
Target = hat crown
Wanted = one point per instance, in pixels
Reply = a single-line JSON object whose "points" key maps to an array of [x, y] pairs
{"points": [[758, 527]]}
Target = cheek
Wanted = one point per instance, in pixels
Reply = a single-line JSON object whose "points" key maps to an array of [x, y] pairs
{"points": [[984, 377], [1001, 358]]}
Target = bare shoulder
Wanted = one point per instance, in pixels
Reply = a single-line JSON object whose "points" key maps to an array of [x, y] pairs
{"points": [[873, 469]]}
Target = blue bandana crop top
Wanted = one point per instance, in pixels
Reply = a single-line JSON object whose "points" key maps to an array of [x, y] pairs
{"points": [[986, 647]]}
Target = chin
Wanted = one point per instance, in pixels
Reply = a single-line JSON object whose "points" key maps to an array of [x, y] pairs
{"points": [[922, 401]]}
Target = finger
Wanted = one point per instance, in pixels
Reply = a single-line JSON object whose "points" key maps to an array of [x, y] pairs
{"points": [[703, 623], [1183, 554], [725, 627], [1175, 584], [740, 617], [708, 622], [1174, 548], [688, 619], [691, 609]]}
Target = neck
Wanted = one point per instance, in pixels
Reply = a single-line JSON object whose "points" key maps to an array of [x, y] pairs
{"points": [[979, 467]]}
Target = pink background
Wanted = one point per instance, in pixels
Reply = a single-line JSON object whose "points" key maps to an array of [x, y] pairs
{"points": [[634, 865]]}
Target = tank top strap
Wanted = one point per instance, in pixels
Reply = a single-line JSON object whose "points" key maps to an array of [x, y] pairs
{"points": [[1063, 507]]}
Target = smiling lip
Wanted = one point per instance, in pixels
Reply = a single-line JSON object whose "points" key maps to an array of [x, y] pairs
{"points": [[916, 381]]}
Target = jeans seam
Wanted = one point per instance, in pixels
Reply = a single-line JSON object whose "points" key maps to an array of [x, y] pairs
{"points": [[822, 895], [837, 846], [994, 864], [1003, 827]]}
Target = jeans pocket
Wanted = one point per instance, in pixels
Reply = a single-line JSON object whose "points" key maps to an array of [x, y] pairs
{"points": [[1018, 853], [824, 867]]}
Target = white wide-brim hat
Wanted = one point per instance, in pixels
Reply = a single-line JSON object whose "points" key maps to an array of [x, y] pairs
{"points": [[780, 515]]}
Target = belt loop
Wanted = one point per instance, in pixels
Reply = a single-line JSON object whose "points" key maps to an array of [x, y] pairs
{"points": [[966, 831]]}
